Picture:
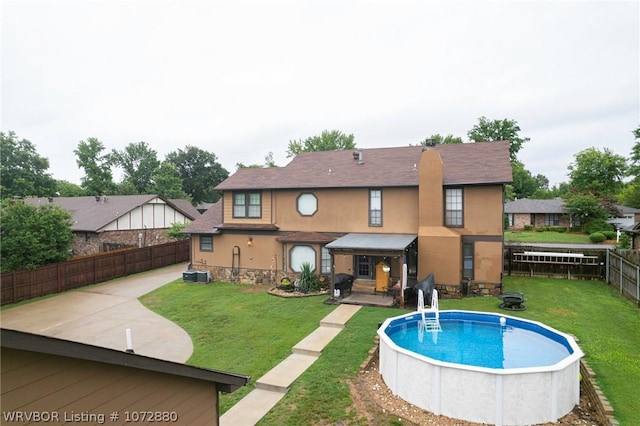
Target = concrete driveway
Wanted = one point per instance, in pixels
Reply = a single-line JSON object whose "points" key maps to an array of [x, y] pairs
{"points": [[99, 315]]}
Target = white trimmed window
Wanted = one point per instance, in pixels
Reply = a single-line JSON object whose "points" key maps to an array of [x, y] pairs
{"points": [[307, 204], [453, 214], [375, 207], [300, 255], [247, 204]]}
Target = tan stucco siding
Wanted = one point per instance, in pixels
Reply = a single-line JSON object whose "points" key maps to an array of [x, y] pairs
{"points": [[439, 253], [487, 261], [482, 210], [347, 210], [36, 383], [267, 205]]}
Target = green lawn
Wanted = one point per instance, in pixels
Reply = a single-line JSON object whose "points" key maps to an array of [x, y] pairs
{"points": [[546, 237], [242, 329]]}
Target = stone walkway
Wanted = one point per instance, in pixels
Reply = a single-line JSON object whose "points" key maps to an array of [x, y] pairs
{"points": [[272, 387]]}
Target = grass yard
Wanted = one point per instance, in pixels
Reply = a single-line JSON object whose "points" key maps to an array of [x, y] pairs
{"points": [[242, 329], [546, 237]]}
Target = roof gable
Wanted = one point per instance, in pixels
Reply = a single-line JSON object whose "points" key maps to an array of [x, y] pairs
{"points": [[94, 213], [464, 164]]}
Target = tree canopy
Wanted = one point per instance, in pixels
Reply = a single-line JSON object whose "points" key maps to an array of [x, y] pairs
{"points": [[438, 139], [327, 141], [200, 173], [167, 184], [23, 170], [98, 178], [139, 163], [34, 236], [597, 172], [498, 130]]}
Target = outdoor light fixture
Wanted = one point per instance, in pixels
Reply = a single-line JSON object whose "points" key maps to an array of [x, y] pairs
{"points": [[386, 268], [249, 241]]}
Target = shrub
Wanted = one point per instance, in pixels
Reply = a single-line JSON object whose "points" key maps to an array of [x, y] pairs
{"points": [[560, 229], [625, 242], [528, 228], [540, 229], [597, 225], [308, 280], [597, 237], [611, 235]]}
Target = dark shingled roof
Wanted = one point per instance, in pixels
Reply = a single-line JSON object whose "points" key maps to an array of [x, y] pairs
{"points": [[464, 164], [526, 205], [92, 214], [208, 222]]}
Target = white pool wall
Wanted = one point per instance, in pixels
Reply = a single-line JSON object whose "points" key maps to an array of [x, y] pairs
{"points": [[519, 396]]}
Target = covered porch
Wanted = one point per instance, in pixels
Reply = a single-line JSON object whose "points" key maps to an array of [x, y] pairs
{"points": [[381, 266]]}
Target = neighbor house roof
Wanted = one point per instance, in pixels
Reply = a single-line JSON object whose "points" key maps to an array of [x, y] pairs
{"points": [[225, 382], [464, 164], [526, 205], [208, 222], [185, 206], [94, 213]]}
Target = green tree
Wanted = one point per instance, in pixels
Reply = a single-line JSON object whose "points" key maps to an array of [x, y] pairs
{"points": [[68, 189], [34, 236], [439, 139], [630, 195], [597, 172], [524, 184], [200, 173], [634, 159], [498, 130], [268, 162], [139, 163], [327, 141], [586, 207], [167, 184], [175, 231], [98, 178], [23, 171]]}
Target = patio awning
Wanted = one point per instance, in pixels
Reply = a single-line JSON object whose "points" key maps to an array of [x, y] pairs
{"points": [[378, 244]]}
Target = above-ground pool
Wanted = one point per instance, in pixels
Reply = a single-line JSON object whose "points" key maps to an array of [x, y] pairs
{"points": [[481, 367]]}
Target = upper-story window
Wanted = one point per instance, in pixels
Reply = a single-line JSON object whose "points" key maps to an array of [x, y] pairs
{"points": [[307, 204], [453, 213], [375, 207], [247, 204]]}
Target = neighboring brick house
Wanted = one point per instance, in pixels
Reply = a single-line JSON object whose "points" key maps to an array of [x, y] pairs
{"points": [[539, 213], [61, 381], [104, 223], [436, 209]]}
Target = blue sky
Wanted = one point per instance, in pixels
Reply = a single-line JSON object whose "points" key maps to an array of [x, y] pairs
{"points": [[243, 78]]}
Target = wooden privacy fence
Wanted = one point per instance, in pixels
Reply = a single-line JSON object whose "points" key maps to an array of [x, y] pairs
{"points": [[55, 278], [623, 271], [555, 262]]}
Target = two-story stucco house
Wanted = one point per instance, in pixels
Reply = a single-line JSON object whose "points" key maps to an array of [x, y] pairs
{"points": [[434, 209]]}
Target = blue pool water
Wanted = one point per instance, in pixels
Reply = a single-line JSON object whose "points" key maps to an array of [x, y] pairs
{"points": [[480, 340]]}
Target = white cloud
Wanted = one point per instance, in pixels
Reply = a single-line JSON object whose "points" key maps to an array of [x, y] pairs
{"points": [[241, 79]]}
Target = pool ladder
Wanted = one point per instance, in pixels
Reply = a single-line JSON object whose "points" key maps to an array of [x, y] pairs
{"points": [[429, 323]]}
